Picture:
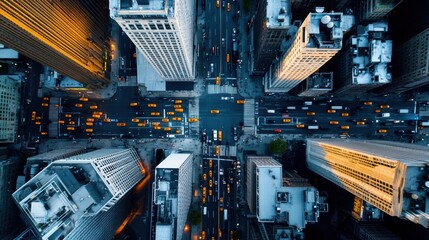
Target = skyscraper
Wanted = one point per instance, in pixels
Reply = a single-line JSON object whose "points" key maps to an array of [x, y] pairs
{"points": [[272, 20], [391, 176], [68, 36], [10, 95], [370, 10], [163, 31], [310, 46], [172, 195], [9, 170], [71, 198]]}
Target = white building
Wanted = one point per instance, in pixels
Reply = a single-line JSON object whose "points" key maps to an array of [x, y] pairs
{"points": [[310, 46], [277, 199], [163, 31], [391, 176], [10, 96], [61, 201], [172, 193]]}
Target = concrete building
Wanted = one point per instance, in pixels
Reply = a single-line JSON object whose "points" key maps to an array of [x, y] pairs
{"points": [[9, 170], [38, 162], [391, 176], [163, 31], [172, 195], [365, 61], [68, 36], [10, 98], [411, 68], [372, 10], [77, 197], [310, 46], [290, 200], [315, 85], [272, 20]]}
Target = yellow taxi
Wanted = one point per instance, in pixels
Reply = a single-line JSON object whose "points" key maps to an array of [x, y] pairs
{"points": [[331, 111], [241, 101], [155, 113], [211, 183], [89, 130], [368, 103], [45, 104], [217, 152], [177, 119], [217, 81], [68, 115], [165, 120], [210, 192], [45, 98], [155, 123], [152, 105], [311, 113], [157, 127], [178, 101], [98, 113], [83, 99], [121, 124], [219, 135], [377, 110], [37, 123], [333, 122], [360, 123], [300, 126], [210, 173], [204, 191], [90, 119], [43, 133], [141, 124], [228, 7], [106, 120], [178, 131], [136, 120], [228, 188], [384, 106], [89, 124], [205, 176], [178, 109], [33, 115], [170, 113], [72, 123], [134, 104], [177, 106], [61, 122], [70, 128], [345, 127], [192, 119], [203, 200], [78, 105], [96, 116], [167, 129], [214, 111], [210, 163], [287, 120], [93, 107], [217, 3], [382, 131], [344, 114]]}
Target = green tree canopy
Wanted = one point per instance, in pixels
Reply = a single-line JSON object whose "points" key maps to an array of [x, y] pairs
{"points": [[277, 147]]}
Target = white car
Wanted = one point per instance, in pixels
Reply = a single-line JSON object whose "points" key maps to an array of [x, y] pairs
{"points": [[211, 67]]}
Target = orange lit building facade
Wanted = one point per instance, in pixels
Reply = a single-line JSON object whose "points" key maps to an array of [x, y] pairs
{"points": [[68, 36]]}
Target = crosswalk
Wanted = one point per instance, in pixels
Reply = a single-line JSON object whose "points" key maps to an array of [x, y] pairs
{"points": [[249, 117]]}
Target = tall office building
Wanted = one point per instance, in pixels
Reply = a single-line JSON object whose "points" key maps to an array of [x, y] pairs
{"points": [[71, 198], [172, 195], [272, 20], [371, 10], [68, 36], [310, 46], [276, 199], [411, 69], [163, 31], [315, 85], [392, 176], [10, 98], [9, 170], [364, 63]]}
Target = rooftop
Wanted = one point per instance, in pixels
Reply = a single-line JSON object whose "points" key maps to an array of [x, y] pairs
{"points": [[174, 160], [278, 13], [322, 81]]}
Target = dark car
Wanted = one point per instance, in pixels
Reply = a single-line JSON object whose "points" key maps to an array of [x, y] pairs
{"points": [[139, 113]]}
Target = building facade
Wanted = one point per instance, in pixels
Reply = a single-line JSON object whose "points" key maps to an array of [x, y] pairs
{"points": [[68, 36], [172, 195], [310, 46], [61, 200], [372, 10], [9, 170], [10, 98], [411, 69], [365, 61], [388, 175], [272, 20], [315, 85], [163, 31]]}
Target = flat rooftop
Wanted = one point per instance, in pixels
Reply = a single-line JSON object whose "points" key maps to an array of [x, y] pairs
{"points": [[174, 160], [278, 13]]}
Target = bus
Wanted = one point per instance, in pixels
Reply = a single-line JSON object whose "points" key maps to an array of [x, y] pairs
{"points": [[225, 214], [205, 211]]}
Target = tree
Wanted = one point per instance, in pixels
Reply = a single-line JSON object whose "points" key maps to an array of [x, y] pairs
{"points": [[277, 147], [195, 217]]}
